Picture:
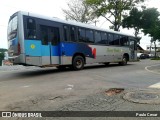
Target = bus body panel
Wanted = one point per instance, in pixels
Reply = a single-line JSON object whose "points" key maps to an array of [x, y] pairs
{"points": [[93, 53], [33, 61], [44, 54], [33, 52]]}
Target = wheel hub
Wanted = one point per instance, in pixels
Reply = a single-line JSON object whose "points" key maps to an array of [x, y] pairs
{"points": [[79, 63]]}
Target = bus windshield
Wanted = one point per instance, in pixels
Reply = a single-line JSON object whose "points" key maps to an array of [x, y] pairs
{"points": [[12, 28]]}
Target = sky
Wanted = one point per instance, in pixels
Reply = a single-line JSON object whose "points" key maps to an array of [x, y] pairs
{"points": [[51, 8]]}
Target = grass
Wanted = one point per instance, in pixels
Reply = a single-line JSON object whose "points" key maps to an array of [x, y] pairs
{"points": [[157, 58]]}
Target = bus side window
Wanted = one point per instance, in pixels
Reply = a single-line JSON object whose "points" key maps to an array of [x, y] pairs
{"points": [[110, 39], [44, 35], [66, 30], [97, 37], [121, 40], [104, 38], [73, 34], [89, 36], [81, 35], [31, 28], [116, 39], [54, 35], [124, 41]]}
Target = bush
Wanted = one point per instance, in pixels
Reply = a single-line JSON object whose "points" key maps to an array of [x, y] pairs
{"points": [[157, 58], [1, 58]]}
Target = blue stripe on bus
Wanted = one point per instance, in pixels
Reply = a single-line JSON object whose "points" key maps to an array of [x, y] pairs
{"points": [[55, 50], [34, 48], [71, 48]]}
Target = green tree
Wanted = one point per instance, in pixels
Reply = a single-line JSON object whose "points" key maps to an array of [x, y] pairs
{"points": [[133, 20], [145, 20], [2, 55], [151, 25], [1, 58], [79, 11], [150, 22], [3, 50], [113, 10]]}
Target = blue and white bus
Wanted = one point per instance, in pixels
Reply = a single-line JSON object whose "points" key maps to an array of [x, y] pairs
{"points": [[42, 41]]}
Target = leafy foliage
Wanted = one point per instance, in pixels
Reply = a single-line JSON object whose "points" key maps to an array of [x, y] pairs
{"points": [[2, 55], [79, 11], [113, 10], [133, 20], [1, 58], [3, 50], [146, 20], [151, 23]]}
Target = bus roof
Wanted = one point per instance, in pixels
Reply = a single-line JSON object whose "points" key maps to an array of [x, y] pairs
{"points": [[75, 23]]}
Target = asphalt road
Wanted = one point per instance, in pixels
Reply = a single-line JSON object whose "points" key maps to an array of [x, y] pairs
{"points": [[50, 89]]}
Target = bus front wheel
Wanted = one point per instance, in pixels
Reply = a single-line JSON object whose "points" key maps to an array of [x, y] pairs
{"points": [[78, 63], [124, 61]]}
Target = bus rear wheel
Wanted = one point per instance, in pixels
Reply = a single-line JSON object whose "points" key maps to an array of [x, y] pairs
{"points": [[78, 63], [124, 61]]}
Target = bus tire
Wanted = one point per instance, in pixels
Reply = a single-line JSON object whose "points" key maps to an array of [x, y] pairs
{"points": [[78, 63], [61, 67], [106, 63], [124, 61]]}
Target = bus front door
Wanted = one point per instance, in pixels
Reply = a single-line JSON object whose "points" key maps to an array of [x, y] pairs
{"points": [[133, 49], [50, 47]]}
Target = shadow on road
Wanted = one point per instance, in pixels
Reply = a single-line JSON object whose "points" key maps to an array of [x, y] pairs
{"points": [[46, 71]]}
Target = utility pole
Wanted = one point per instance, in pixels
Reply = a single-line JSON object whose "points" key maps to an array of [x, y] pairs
{"points": [[95, 22]]}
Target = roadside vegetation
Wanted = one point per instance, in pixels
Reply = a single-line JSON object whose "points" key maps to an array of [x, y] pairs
{"points": [[157, 58], [2, 55]]}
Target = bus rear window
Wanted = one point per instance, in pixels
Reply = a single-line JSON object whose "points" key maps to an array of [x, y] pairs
{"points": [[12, 28]]}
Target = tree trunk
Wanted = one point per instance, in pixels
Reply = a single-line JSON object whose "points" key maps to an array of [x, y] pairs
{"points": [[116, 28], [150, 47], [155, 52]]}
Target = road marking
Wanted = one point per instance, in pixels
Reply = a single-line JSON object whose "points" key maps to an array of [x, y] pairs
{"points": [[69, 87], [100, 76], [146, 68], [26, 86], [157, 85]]}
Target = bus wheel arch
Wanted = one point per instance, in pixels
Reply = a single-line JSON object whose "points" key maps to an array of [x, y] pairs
{"points": [[78, 61], [127, 56], [125, 59]]}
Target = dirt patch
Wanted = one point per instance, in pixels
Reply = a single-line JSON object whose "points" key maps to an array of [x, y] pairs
{"points": [[114, 91]]}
